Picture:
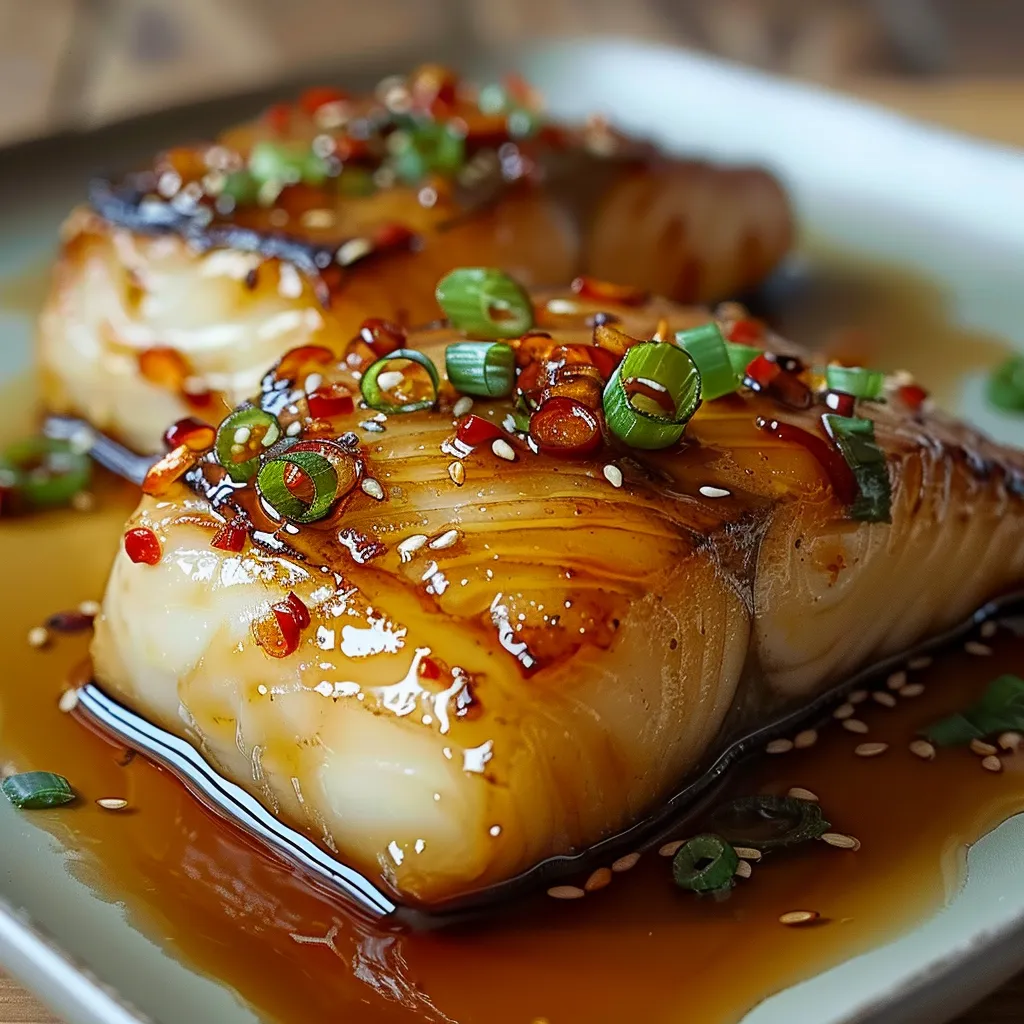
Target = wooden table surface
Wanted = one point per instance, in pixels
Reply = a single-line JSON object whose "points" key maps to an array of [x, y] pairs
{"points": [[989, 108]]}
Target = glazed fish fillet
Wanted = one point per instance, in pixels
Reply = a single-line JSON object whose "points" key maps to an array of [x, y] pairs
{"points": [[177, 286], [475, 662]]}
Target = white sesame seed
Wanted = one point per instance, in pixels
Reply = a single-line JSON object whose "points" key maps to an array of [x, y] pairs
{"points": [[714, 492], [870, 749], [897, 680], [977, 649], [981, 748], [626, 863], [613, 475], [855, 725], [112, 803], [462, 406], [743, 869], [912, 690], [1010, 741], [408, 547], [857, 696], [795, 918], [82, 440], [68, 701], [598, 880], [373, 489], [293, 429], [844, 711], [671, 849], [841, 841], [38, 636], [799, 793], [318, 219], [916, 664], [90, 608], [887, 700], [805, 739], [445, 540], [566, 892], [503, 449], [457, 472], [923, 749], [781, 746], [747, 853], [313, 381], [561, 307], [390, 379], [992, 764], [354, 249], [83, 501], [989, 629]]}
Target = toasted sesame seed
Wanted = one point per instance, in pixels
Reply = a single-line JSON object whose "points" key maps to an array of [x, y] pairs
{"points": [[671, 849], [408, 547], [83, 501], [897, 680], [805, 739], [457, 472], [1010, 741], [992, 763], [912, 690], [313, 381], [977, 649], [38, 636], [241, 435], [841, 841], [870, 749], [598, 880], [352, 250], [566, 892], [112, 803], [503, 449], [855, 725], [857, 696], [714, 492], [922, 749], [743, 869], [887, 700], [920, 662], [794, 918], [626, 863], [445, 540], [68, 701], [462, 406], [844, 711], [781, 746], [373, 488], [293, 429], [747, 853], [90, 608], [390, 379], [981, 748], [318, 219], [989, 629], [613, 475], [799, 793]]}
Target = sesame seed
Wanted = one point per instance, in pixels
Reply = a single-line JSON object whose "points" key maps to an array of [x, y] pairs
{"points": [[445, 540], [671, 849], [503, 449], [981, 748], [992, 763], [887, 700], [743, 869], [613, 475], [841, 841], [38, 636], [857, 696], [870, 749], [293, 429], [83, 501], [112, 803], [782, 746], [912, 690], [747, 853], [989, 629], [82, 440], [916, 664], [855, 725], [68, 701], [799, 793], [241, 435], [598, 880], [462, 406], [352, 250], [317, 219], [390, 379], [844, 711], [373, 489], [313, 381], [90, 608], [566, 892], [714, 492], [1010, 741], [923, 749], [897, 680], [626, 863], [457, 472], [805, 739], [795, 918], [977, 649], [408, 547]]}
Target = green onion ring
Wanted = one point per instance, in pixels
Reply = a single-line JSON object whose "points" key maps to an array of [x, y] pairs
{"points": [[856, 381], [270, 481], [374, 397], [44, 472], [668, 367], [741, 356], [769, 822], [705, 863], [999, 709], [706, 347], [485, 301], [250, 418], [483, 368], [31, 791], [1006, 385]]}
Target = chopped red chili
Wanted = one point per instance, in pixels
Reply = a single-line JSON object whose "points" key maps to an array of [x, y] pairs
{"points": [[319, 96], [297, 362], [746, 332], [194, 433], [606, 291], [912, 395], [566, 427], [382, 336], [296, 607], [393, 236], [761, 371], [841, 402], [429, 669], [142, 546], [230, 537], [330, 400], [278, 117], [474, 430]]}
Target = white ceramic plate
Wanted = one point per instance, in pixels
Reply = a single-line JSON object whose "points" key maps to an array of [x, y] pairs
{"points": [[864, 180]]}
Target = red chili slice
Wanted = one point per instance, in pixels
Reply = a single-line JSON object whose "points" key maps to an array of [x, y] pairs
{"points": [[230, 537], [393, 236], [142, 546], [297, 362], [841, 403], [297, 608], [194, 433], [382, 336], [762, 371], [330, 400], [606, 291], [429, 669], [279, 117], [565, 427], [474, 430], [912, 395], [746, 332], [319, 96], [166, 471]]}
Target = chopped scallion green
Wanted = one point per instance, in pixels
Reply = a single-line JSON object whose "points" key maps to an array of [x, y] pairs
{"points": [[999, 709], [705, 864], [855, 438], [485, 302], [483, 368]]}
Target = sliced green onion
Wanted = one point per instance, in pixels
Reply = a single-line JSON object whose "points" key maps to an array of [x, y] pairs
{"points": [[31, 791], [485, 301], [278, 471], [432, 147], [769, 822], [651, 395], [1006, 385], [705, 863], [707, 349], [43, 472], [240, 186], [855, 438], [856, 381], [741, 356], [286, 163], [999, 709], [484, 368], [260, 430], [374, 397]]}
